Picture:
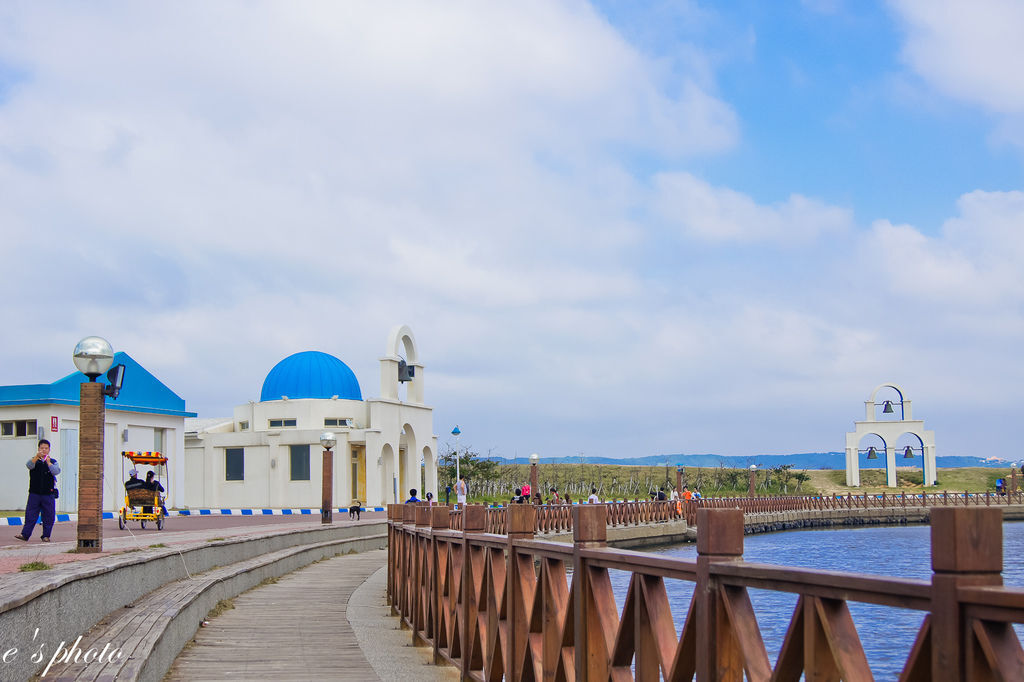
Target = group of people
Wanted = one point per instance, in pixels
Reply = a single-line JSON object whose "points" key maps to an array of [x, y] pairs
{"points": [[151, 483]]}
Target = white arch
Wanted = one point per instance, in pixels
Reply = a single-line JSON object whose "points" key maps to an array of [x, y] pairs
{"points": [[401, 340], [890, 432], [402, 334]]}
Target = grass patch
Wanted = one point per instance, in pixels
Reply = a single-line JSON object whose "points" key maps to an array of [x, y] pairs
{"points": [[215, 539], [222, 606], [159, 544], [268, 581], [34, 566], [4, 513]]}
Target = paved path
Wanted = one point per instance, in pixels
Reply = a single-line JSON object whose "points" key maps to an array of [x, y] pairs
{"points": [[179, 530], [299, 629]]}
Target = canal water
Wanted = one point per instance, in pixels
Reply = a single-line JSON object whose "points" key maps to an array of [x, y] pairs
{"points": [[886, 633]]}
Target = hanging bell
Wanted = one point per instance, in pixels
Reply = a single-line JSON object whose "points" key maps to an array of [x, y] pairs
{"points": [[872, 454], [908, 452], [887, 407]]}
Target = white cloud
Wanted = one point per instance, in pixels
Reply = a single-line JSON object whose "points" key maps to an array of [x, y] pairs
{"points": [[968, 50], [720, 214], [214, 186], [975, 261]]}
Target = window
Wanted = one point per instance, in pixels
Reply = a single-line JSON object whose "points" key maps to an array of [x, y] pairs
{"points": [[300, 462], [282, 423], [330, 421], [158, 440], [18, 429], [234, 464], [243, 426]]}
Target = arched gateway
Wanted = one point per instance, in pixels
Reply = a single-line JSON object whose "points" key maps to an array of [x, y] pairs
{"points": [[890, 431]]}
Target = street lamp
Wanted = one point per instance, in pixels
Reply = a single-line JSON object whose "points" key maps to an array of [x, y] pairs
{"points": [[753, 480], [457, 432], [92, 357], [328, 441], [534, 460]]}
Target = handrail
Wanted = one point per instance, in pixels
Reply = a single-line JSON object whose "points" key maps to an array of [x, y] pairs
{"points": [[557, 518], [558, 619]]}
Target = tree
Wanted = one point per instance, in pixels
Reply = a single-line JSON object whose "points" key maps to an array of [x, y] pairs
{"points": [[470, 465]]}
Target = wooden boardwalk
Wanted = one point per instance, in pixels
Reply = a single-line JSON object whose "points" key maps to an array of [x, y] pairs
{"points": [[294, 629]]}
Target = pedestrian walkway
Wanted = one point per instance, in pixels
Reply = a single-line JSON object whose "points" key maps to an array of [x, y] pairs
{"points": [[297, 628]]}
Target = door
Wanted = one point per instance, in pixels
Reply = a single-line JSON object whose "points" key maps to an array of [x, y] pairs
{"points": [[67, 480]]}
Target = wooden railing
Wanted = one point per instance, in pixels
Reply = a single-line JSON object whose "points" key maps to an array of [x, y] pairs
{"points": [[513, 607], [557, 518]]}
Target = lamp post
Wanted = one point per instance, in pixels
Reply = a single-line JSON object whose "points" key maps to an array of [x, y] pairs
{"points": [[753, 480], [534, 459], [457, 432], [328, 441], [92, 356]]}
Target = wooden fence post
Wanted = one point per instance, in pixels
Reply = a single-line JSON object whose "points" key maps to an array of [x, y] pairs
{"points": [[474, 520], [392, 553], [967, 550], [589, 529], [521, 522], [438, 521], [719, 540]]}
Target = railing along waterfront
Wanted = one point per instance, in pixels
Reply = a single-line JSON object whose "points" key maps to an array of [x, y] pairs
{"points": [[513, 607], [557, 518]]}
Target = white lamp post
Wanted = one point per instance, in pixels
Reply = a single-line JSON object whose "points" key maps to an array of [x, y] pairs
{"points": [[457, 432], [534, 460]]}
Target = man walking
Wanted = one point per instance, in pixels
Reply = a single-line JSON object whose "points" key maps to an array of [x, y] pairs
{"points": [[42, 483]]}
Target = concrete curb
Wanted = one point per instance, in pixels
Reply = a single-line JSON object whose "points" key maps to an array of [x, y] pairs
{"points": [[20, 520]]}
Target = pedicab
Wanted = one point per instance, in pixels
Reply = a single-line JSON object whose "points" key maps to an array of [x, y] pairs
{"points": [[137, 500]]}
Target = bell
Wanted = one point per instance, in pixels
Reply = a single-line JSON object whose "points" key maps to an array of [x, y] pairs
{"points": [[872, 454], [887, 407], [908, 452]]}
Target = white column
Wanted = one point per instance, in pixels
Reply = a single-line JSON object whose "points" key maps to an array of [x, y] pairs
{"points": [[890, 466], [930, 473], [852, 467]]}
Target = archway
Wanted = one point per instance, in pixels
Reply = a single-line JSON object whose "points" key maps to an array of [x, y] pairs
{"points": [[389, 480], [889, 419]]}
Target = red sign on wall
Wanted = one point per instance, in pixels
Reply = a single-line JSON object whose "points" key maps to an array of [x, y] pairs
{"points": [[53, 424]]}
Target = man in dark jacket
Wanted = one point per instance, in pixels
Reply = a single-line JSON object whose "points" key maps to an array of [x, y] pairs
{"points": [[42, 483], [154, 485]]}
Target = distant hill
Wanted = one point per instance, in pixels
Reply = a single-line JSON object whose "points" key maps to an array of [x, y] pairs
{"points": [[808, 460]]}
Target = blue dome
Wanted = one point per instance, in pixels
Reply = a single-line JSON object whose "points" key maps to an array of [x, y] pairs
{"points": [[311, 374]]}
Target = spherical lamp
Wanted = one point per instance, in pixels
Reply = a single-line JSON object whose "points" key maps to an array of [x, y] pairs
{"points": [[93, 356]]}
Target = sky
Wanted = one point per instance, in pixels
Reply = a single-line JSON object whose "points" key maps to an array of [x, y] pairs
{"points": [[620, 229]]}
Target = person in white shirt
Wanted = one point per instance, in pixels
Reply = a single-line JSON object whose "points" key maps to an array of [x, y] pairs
{"points": [[461, 489], [593, 499]]}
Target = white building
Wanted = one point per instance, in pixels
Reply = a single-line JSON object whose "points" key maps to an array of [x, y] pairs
{"points": [[146, 416], [268, 453]]}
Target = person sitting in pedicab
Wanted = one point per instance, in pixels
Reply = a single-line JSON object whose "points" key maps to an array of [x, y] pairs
{"points": [[154, 485], [133, 482]]}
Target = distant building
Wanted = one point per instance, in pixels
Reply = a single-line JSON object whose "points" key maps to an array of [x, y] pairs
{"points": [[268, 453], [146, 416]]}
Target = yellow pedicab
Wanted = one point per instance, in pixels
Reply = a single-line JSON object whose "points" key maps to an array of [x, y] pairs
{"points": [[138, 499]]}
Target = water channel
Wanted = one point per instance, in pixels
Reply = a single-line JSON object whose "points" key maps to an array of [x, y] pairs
{"points": [[886, 633]]}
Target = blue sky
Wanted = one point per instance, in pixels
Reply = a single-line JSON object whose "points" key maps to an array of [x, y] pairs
{"points": [[622, 228]]}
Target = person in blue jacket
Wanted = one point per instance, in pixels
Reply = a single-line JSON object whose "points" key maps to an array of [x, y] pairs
{"points": [[42, 492]]}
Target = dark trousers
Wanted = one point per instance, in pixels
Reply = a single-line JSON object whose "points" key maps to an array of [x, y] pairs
{"points": [[39, 504]]}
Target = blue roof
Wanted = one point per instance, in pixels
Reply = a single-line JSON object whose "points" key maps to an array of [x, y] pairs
{"points": [[311, 374], [141, 392]]}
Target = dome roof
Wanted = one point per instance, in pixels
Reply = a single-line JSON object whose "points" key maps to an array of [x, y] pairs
{"points": [[310, 374]]}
